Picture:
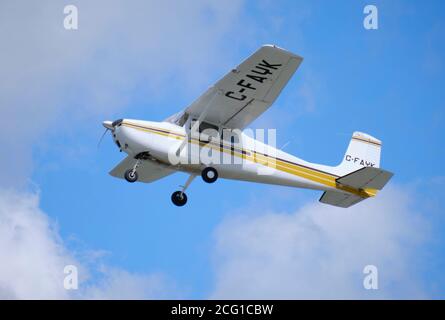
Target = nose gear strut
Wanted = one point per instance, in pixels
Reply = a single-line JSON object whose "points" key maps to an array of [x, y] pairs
{"points": [[131, 175]]}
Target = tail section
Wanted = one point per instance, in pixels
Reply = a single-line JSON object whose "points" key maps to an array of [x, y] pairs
{"points": [[366, 180], [363, 151], [360, 176]]}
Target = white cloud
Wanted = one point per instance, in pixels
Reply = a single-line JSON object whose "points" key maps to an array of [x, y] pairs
{"points": [[121, 284], [56, 79], [33, 257], [59, 79], [316, 252], [32, 254], [320, 251]]}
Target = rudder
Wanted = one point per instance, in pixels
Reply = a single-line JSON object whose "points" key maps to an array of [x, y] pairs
{"points": [[363, 151]]}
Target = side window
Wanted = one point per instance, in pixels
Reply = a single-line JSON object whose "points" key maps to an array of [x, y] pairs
{"points": [[207, 131]]}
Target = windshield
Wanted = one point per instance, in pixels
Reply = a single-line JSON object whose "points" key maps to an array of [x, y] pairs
{"points": [[178, 118]]}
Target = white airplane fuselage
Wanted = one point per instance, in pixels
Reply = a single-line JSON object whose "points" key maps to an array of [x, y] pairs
{"points": [[257, 162], [202, 140]]}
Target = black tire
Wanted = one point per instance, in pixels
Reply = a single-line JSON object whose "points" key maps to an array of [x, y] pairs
{"points": [[209, 175], [179, 198], [131, 175]]}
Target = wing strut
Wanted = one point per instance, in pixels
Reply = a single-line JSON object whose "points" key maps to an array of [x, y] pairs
{"points": [[195, 125]]}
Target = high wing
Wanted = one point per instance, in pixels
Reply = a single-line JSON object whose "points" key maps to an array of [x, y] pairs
{"points": [[248, 90], [148, 171]]}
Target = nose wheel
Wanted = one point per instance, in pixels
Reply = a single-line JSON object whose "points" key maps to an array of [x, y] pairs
{"points": [[131, 175]]}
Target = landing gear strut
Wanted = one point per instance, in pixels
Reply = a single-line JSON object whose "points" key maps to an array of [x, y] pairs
{"points": [[179, 198], [131, 175], [209, 175]]}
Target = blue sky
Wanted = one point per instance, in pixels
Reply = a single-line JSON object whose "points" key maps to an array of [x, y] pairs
{"points": [[386, 82]]}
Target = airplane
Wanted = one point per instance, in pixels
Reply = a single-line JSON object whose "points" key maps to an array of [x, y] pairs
{"points": [[213, 126]]}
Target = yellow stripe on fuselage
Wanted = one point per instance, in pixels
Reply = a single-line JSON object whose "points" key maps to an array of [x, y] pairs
{"points": [[253, 156]]}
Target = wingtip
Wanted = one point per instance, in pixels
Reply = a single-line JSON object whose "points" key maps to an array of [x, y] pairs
{"points": [[282, 49]]}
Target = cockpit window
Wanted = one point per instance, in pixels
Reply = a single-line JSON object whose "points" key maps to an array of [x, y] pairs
{"points": [[204, 126]]}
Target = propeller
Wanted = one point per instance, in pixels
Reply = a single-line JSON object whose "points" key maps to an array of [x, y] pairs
{"points": [[102, 137], [108, 126]]}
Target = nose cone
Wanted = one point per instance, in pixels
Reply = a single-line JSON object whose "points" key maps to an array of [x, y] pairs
{"points": [[108, 124]]}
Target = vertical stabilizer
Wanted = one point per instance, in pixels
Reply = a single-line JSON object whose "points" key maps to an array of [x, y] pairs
{"points": [[363, 151]]}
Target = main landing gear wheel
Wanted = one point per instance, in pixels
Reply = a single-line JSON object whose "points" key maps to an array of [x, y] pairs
{"points": [[131, 175], [209, 175], [179, 198]]}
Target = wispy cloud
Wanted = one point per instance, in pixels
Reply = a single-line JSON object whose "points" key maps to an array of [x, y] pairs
{"points": [[55, 77], [34, 256], [320, 251], [31, 250], [117, 283]]}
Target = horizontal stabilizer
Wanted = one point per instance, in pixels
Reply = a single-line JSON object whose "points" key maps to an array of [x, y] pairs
{"points": [[340, 199], [366, 178], [148, 171]]}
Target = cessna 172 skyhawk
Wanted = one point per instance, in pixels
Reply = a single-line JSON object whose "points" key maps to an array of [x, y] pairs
{"points": [[212, 125]]}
